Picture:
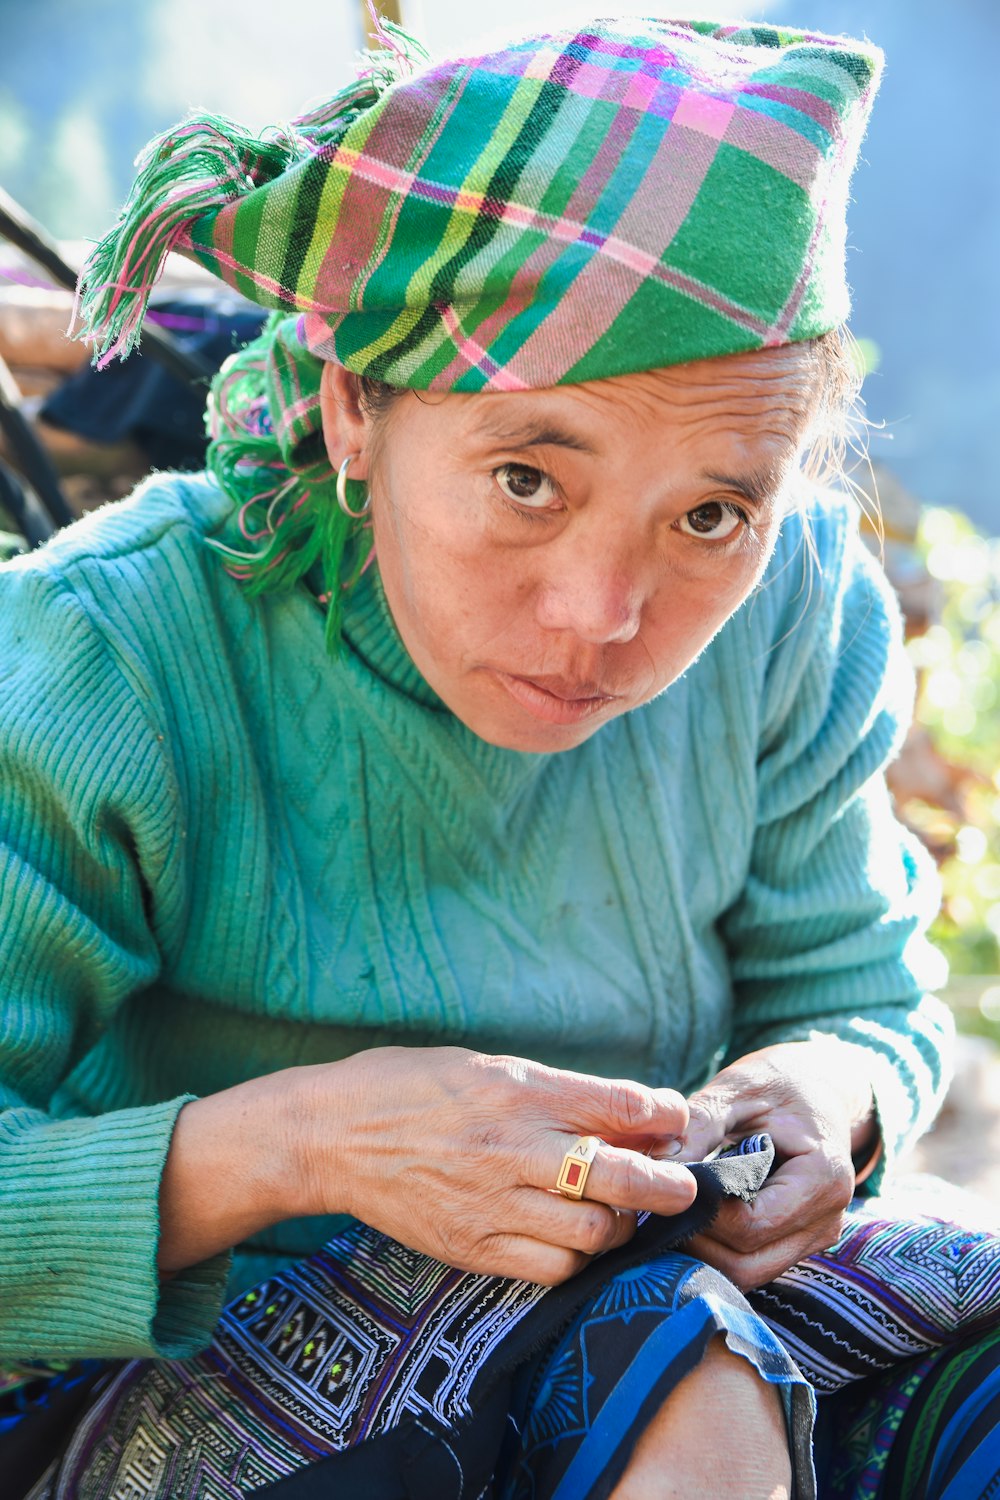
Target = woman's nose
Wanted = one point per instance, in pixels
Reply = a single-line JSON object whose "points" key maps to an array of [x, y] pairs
{"points": [[593, 591]]}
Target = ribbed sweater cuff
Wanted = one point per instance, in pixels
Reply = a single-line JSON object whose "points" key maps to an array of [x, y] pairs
{"points": [[79, 1229]]}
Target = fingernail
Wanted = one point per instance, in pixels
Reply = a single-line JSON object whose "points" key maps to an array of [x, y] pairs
{"points": [[674, 1146]]}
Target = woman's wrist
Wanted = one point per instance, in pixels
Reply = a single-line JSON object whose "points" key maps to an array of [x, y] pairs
{"points": [[235, 1166]]}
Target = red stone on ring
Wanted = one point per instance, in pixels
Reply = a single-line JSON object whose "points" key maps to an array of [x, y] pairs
{"points": [[573, 1173]]}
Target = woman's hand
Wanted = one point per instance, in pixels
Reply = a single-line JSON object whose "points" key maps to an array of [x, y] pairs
{"points": [[815, 1100], [456, 1153], [452, 1152]]}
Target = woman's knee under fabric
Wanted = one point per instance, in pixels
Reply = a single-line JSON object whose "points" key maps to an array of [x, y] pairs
{"points": [[584, 1404], [928, 1431]]}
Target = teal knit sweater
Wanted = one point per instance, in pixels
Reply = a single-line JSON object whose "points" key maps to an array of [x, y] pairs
{"points": [[223, 853]]}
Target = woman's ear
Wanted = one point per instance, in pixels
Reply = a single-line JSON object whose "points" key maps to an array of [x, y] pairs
{"points": [[346, 425]]}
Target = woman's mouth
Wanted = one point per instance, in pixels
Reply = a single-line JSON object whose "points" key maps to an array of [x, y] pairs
{"points": [[555, 700]]}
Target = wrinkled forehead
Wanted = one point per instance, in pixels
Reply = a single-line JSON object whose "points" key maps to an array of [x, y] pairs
{"points": [[766, 398]]}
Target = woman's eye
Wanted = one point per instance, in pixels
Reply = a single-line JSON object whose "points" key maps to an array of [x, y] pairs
{"points": [[525, 485], [716, 520]]}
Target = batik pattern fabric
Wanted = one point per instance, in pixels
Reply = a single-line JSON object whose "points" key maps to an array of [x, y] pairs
{"points": [[519, 1391], [573, 205], [594, 1394], [370, 1368]]}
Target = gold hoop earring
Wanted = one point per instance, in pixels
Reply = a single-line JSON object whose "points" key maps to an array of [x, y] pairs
{"points": [[355, 515]]}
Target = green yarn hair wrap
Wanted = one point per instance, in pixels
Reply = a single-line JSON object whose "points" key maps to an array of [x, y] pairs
{"points": [[268, 455]]}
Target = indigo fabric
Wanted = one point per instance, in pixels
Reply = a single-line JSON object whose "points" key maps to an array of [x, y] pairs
{"points": [[371, 1369]]}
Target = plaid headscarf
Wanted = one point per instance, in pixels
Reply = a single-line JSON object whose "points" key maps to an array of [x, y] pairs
{"points": [[571, 206]]}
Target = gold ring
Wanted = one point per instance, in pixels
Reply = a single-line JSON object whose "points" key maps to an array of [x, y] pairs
{"points": [[576, 1165]]}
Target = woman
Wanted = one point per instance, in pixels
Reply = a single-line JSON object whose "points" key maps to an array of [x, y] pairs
{"points": [[495, 722]]}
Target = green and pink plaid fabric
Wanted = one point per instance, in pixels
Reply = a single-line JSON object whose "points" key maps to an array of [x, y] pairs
{"points": [[571, 206]]}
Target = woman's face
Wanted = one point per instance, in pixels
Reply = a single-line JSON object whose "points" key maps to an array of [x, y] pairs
{"points": [[555, 558]]}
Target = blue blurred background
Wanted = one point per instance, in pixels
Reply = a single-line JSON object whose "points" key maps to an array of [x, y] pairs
{"points": [[84, 85]]}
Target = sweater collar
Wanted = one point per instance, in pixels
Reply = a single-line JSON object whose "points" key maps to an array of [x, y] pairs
{"points": [[371, 636]]}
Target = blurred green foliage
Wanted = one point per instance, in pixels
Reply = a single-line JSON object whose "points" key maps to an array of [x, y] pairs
{"points": [[958, 664]]}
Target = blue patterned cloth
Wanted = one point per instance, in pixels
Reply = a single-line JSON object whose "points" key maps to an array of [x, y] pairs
{"points": [[927, 1431], [369, 1368]]}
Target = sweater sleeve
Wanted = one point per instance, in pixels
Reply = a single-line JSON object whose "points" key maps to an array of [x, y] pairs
{"points": [[87, 815], [827, 937]]}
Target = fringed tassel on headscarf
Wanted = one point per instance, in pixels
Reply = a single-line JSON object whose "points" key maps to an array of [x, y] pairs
{"points": [[198, 166], [195, 169], [266, 448], [278, 475]]}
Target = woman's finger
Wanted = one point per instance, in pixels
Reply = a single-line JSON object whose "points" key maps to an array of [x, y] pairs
{"points": [[525, 1259], [589, 1227], [613, 1108], [617, 1176], [757, 1267], [716, 1115]]}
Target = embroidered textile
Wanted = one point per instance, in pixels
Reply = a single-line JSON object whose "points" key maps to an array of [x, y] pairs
{"points": [[369, 1361], [367, 1352], [928, 1431], [889, 1289]]}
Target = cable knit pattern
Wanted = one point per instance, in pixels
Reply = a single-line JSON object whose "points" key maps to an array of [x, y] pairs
{"points": [[222, 853]]}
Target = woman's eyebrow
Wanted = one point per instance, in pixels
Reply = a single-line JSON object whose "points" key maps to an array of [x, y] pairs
{"points": [[536, 434], [757, 486]]}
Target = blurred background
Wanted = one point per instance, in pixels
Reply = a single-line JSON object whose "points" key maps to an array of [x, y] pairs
{"points": [[84, 85]]}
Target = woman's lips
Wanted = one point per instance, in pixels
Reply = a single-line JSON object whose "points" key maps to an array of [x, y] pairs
{"points": [[555, 700]]}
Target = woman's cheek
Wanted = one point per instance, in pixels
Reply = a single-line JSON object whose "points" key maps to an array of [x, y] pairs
{"points": [[681, 624]]}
